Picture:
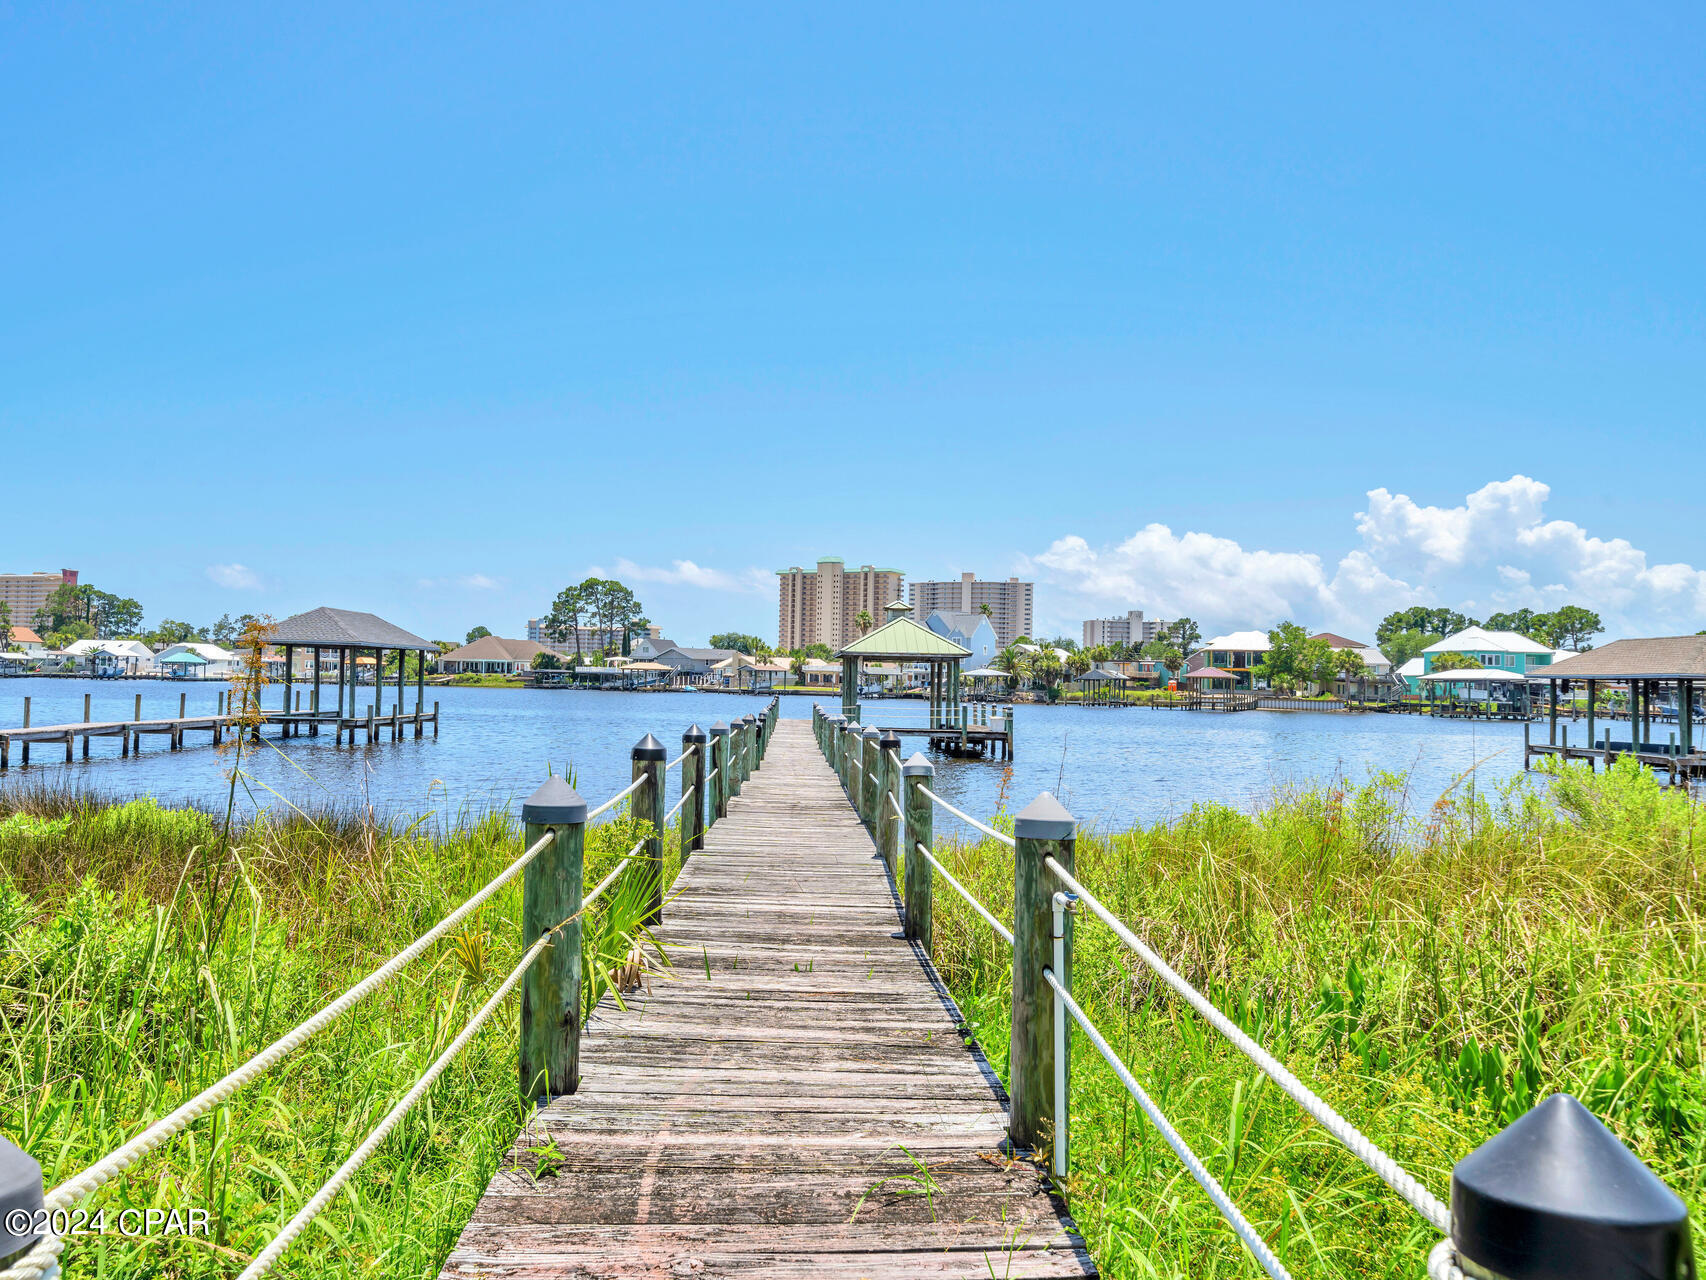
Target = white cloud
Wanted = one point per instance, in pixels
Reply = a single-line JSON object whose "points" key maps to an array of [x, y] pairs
{"points": [[685, 573], [1494, 547], [236, 576]]}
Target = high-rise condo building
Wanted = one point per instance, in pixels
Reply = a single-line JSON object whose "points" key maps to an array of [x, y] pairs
{"points": [[822, 605], [24, 593], [1131, 629], [1009, 602]]}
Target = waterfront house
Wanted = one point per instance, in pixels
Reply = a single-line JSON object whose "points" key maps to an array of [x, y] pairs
{"points": [[219, 663], [26, 642], [1235, 655], [1378, 663], [492, 655], [1411, 674], [970, 631], [650, 648], [818, 673], [691, 666], [126, 657], [1498, 650]]}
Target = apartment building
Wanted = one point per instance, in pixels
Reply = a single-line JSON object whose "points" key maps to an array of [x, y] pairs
{"points": [[1009, 603], [822, 605], [24, 593], [592, 639], [1134, 628]]}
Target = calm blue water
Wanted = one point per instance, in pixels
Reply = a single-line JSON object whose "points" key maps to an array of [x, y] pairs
{"points": [[1111, 766]]}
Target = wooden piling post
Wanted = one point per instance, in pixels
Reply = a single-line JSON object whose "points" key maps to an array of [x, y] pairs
{"points": [[731, 764], [25, 758], [435, 718], [1041, 830], [86, 716], [916, 774], [693, 787], [751, 722], [889, 826], [646, 803], [869, 779], [718, 759], [550, 896], [183, 703], [138, 715]]}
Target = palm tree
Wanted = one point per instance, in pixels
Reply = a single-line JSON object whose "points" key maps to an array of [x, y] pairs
{"points": [[862, 620], [797, 665]]}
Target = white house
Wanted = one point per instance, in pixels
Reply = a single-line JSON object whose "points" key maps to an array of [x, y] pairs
{"points": [[131, 656], [217, 663]]}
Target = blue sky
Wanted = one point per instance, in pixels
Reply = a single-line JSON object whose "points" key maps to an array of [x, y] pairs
{"points": [[434, 311]]}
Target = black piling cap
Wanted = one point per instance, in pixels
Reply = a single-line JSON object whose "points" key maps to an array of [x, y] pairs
{"points": [[648, 748], [553, 804], [719, 730], [1557, 1196], [749, 718], [889, 741], [694, 734], [20, 1200]]}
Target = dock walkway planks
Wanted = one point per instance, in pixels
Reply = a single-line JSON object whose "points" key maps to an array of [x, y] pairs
{"points": [[743, 1123]]}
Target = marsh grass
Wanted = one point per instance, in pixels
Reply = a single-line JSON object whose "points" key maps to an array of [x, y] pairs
{"points": [[123, 991], [1432, 979]]}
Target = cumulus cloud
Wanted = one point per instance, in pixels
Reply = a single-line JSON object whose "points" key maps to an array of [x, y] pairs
{"points": [[1487, 553], [685, 573], [236, 576]]}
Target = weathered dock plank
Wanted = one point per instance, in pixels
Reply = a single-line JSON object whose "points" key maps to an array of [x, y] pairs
{"points": [[773, 1106]]}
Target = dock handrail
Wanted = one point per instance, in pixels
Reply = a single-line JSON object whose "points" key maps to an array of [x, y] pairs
{"points": [[1047, 895], [563, 817]]}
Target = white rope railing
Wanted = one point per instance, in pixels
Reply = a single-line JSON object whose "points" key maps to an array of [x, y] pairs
{"points": [[1257, 1246], [713, 774], [617, 799], [895, 805], [1390, 1171], [967, 818], [1003, 930], [610, 879], [42, 1257], [685, 754], [685, 796], [264, 1261]]}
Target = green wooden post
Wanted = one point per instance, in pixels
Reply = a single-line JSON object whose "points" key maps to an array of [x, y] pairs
{"points": [[720, 766], [550, 896], [1042, 829], [648, 756], [1592, 694], [918, 773], [849, 775], [693, 778], [870, 780], [890, 827], [832, 742], [752, 745]]}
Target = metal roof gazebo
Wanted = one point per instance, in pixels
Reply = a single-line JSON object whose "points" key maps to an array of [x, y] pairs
{"points": [[904, 639], [348, 632]]}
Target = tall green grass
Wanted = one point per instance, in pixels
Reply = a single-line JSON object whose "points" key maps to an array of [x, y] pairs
{"points": [[1432, 978], [127, 985]]}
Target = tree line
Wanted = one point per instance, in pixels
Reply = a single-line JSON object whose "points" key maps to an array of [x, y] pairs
{"points": [[1404, 633]]}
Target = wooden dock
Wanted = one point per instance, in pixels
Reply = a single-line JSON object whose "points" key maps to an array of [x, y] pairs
{"points": [[130, 733], [753, 1114]]}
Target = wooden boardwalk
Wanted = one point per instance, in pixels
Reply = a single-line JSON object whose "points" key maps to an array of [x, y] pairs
{"points": [[741, 1118]]}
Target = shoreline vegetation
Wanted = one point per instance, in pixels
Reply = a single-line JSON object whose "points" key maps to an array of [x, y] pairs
{"points": [[1432, 977]]}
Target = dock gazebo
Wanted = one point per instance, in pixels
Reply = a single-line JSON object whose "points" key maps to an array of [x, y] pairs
{"points": [[1102, 688], [349, 634], [1211, 680], [1647, 670], [903, 638]]}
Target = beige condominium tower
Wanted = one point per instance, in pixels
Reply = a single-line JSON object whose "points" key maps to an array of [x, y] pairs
{"points": [[1009, 603], [822, 605]]}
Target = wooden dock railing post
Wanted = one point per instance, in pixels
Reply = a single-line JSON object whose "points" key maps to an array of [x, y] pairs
{"points": [[720, 766], [849, 775], [918, 773], [832, 741], [732, 768], [752, 747], [870, 779], [888, 825], [1041, 830], [647, 803], [693, 776], [550, 895]]}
